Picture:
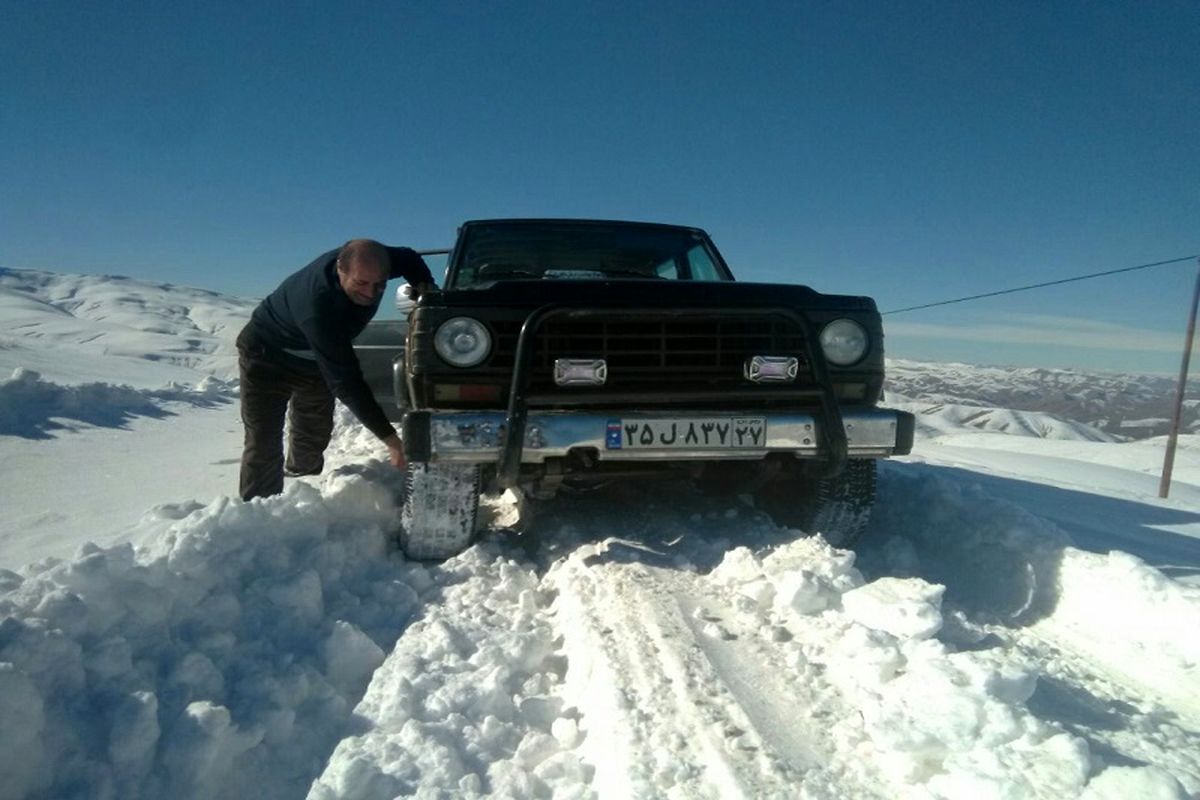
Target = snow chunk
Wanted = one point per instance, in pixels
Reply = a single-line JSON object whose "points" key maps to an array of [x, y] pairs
{"points": [[350, 657], [535, 748], [301, 594], [906, 608], [1144, 783], [133, 739], [201, 749], [22, 756], [566, 730], [802, 577], [802, 592]]}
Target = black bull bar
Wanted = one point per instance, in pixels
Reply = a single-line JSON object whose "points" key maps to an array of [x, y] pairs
{"points": [[832, 432]]}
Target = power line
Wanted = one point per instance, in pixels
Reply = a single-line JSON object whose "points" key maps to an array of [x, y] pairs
{"points": [[1042, 285]]}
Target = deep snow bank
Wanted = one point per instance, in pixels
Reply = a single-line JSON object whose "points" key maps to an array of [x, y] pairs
{"points": [[233, 652], [1103, 630], [1002, 564], [228, 656], [931, 721], [30, 407], [785, 672], [468, 703]]}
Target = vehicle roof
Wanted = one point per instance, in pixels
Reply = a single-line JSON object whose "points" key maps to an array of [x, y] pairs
{"points": [[575, 221]]}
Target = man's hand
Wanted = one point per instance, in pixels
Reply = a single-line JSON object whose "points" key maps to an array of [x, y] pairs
{"points": [[415, 291], [395, 451]]}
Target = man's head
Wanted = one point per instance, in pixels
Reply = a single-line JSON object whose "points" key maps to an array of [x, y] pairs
{"points": [[362, 269]]}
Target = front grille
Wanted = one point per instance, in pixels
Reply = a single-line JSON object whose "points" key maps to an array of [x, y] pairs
{"points": [[675, 353]]}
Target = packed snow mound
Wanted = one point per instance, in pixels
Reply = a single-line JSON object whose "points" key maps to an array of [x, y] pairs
{"points": [[467, 704], [80, 328], [1013, 578], [1122, 405], [935, 722], [283, 643], [32, 407], [1001, 564], [228, 654]]}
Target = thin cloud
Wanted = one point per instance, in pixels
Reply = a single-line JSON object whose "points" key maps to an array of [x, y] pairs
{"points": [[1038, 329]]}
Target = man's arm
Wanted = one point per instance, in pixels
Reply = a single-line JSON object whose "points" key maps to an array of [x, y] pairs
{"points": [[407, 263], [340, 368]]}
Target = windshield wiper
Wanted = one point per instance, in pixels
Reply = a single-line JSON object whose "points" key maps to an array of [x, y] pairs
{"points": [[632, 273], [490, 272]]}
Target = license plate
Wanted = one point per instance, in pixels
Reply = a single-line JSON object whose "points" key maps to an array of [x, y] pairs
{"points": [[682, 433]]}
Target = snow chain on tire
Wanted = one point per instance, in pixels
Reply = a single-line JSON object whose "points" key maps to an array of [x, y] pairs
{"points": [[440, 508]]}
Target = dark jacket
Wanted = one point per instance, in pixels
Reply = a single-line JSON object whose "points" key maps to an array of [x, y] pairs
{"points": [[309, 323]]}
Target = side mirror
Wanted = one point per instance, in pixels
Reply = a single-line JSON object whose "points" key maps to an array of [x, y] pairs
{"points": [[404, 298]]}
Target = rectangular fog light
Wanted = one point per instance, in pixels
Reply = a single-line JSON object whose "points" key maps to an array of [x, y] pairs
{"points": [[772, 369], [580, 371]]}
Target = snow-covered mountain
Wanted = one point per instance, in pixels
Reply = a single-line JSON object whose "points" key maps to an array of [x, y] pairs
{"points": [[87, 328], [1018, 622], [111, 329], [1123, 406]]}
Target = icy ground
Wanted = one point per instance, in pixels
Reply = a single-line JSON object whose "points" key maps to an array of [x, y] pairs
{"points": [[1020, 621]]}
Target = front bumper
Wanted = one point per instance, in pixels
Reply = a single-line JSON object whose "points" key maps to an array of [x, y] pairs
{"points": [[478, 437], [521, 436]]}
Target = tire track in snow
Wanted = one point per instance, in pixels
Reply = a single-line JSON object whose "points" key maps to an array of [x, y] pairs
{"points": [[753, 671], [661, 717], [682, 688], [674, 663]]}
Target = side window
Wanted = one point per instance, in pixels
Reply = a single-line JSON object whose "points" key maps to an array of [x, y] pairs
{"points": [[667, 269], [439, 264], [702, 266]]}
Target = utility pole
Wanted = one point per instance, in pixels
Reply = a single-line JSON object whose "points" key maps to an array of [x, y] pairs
{"points": [[1164, 487]]}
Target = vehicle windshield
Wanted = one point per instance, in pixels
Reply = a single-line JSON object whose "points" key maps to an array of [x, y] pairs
{"points": [[575, 251]]}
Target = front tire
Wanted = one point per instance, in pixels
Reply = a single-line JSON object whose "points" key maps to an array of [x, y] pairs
{"points": [[441, 506], [838, 508]]}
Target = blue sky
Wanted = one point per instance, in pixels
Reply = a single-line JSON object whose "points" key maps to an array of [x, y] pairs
{"points": [[912, 151]]}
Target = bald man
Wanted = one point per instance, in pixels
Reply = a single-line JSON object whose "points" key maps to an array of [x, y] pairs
{"points": [[296, 355]]}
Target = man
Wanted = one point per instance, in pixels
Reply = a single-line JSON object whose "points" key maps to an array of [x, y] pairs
{"points": [[296, 356]]}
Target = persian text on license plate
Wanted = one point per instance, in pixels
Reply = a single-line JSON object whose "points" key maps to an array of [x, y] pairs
{"points": [[705, 433]]}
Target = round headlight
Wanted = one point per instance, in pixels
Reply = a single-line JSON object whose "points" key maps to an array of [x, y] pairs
{"points": [[462, 341], [844, 342]]}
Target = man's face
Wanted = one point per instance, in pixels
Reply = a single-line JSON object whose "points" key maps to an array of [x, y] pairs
{"points": [[363, 282]]}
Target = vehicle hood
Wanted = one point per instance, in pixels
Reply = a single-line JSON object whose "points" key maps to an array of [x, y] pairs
{"points": [[646, 293]]}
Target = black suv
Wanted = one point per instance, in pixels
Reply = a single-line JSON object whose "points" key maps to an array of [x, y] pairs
{"points": [[571, 352]]}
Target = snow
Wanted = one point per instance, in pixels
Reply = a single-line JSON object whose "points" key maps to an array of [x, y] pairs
{"points": [[155, 460], [33, 407], [100, 328], [1113, 403], [1019, 621]]}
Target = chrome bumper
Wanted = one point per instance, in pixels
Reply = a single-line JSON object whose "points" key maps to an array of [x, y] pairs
{"points": [[477, 437]]}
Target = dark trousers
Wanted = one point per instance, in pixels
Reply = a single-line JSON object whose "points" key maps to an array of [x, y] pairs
{"points": [[272, 391]]}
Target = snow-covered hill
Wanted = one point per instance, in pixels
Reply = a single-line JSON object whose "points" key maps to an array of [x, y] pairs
{"points": [[100, 328], [1123, 406], [1019, 621]]}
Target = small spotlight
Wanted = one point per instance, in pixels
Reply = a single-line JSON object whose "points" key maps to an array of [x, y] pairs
{"points": [[580, 371], [772, 369]]}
